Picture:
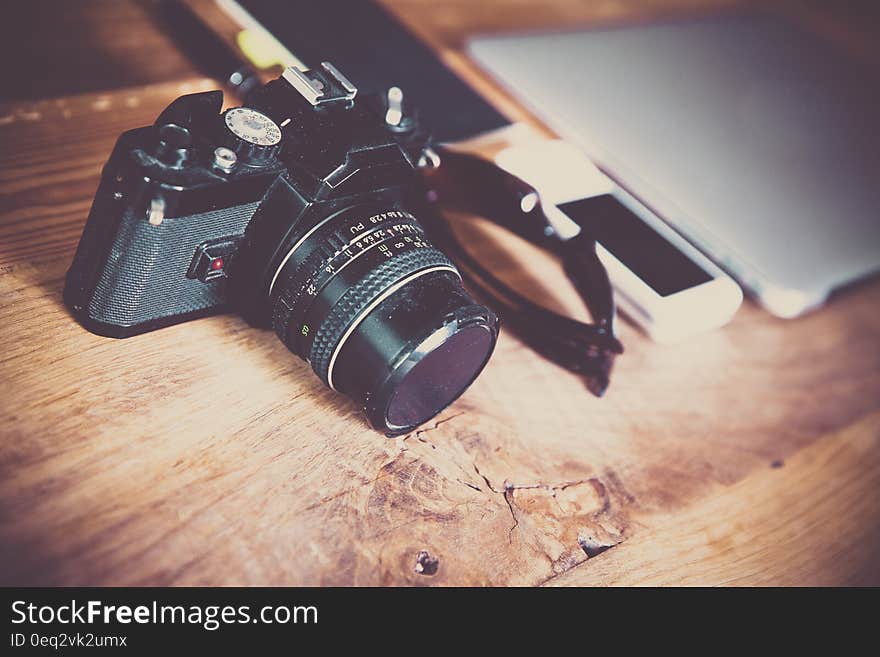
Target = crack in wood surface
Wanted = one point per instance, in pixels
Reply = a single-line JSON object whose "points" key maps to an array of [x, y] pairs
{"points": [[418, 433], [591, 546], [507, 501]]}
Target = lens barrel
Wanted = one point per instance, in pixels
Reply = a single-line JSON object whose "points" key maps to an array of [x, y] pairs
{"points": [[381, 315]]}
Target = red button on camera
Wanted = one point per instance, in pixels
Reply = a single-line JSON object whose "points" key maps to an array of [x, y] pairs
{"points": [[217, 264]]}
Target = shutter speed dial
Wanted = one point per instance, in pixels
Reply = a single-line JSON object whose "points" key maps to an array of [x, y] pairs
{"points": [[253, 136]]}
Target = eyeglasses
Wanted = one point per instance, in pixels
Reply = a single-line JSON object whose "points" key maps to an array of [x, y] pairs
{"points": [[458, 181]]}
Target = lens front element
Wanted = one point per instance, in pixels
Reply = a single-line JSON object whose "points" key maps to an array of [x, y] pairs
{"points": [[439, 374]]}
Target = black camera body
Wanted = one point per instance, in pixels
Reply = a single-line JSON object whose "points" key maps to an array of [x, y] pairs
{"points": [[167, 210], [296, 211]]}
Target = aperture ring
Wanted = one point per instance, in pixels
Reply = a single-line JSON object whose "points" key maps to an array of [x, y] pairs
{"points": [[359, 297], [288, 294], [302, 285]]}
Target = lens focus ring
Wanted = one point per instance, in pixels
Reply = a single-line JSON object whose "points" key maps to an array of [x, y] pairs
{"points": [[359, 297], [339, 241]]}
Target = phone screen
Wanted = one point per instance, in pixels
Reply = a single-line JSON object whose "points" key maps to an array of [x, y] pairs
{"points": [[636, 244]]}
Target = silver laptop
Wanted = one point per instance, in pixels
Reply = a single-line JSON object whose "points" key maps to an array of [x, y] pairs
{"points": [[758, 141]]}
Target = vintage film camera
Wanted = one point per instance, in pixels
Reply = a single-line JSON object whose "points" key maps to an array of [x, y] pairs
{"points": [[299, 212]]}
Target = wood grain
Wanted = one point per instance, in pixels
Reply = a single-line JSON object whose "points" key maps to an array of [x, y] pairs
{"points": [[781, 525], [207, 454]]}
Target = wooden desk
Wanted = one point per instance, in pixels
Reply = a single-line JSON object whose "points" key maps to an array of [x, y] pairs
{"points": [[206, 453]]}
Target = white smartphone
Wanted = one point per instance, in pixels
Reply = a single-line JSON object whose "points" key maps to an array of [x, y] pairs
{"points": [[661, 282]]}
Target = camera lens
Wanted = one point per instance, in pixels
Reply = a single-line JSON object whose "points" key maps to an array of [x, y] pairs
{"points": [[381, 315]]}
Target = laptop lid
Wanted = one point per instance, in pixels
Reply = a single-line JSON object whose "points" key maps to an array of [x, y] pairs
{"points": [[756, 140]]}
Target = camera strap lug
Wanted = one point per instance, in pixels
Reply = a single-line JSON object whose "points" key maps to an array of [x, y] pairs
{"points": [[156, 213]]}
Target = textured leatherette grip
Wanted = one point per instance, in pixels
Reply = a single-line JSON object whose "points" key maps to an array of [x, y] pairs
{"points": [[144, 277], [357, 298]]}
